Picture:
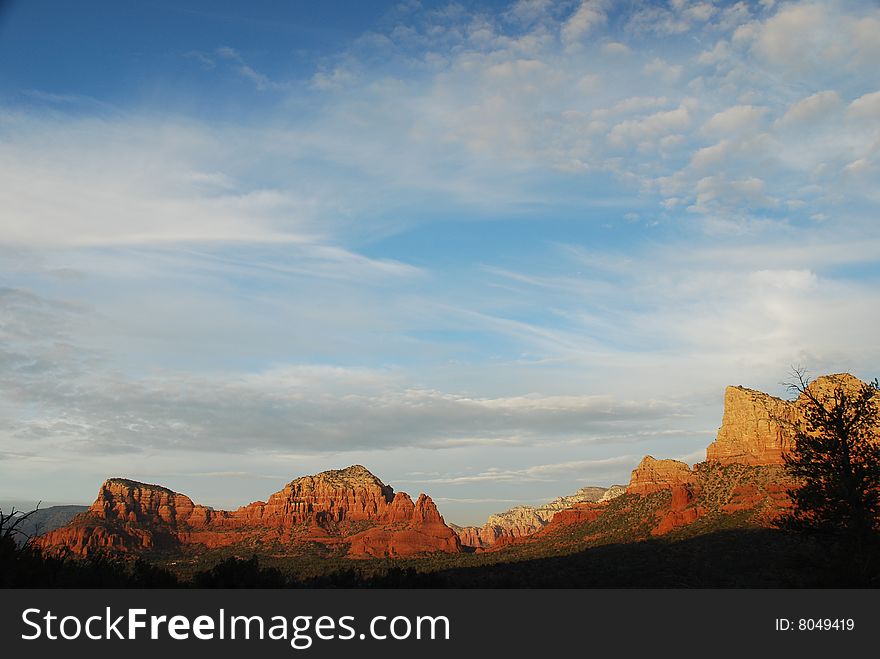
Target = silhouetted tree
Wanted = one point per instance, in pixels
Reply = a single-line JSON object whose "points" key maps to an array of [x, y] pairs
{"points": [[835, 461], [23, 564], [10, 524], [237, 572]]}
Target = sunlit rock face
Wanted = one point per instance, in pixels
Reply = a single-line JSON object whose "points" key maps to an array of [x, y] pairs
{"points": [[758, 429], [349, 507]]}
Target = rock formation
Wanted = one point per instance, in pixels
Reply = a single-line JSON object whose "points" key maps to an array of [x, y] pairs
{"points": [[654, 475], [757, 429], [351, 511], [580, 512], [422, 532], [339, 507], [612, 493], [682, 509], [742, 475], [525, 520]]}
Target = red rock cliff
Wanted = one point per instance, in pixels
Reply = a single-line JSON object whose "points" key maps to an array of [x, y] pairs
{"points": [[129, 501], [424, 532], [346, 506], [758, 429], [754, 429], [654, 475]]}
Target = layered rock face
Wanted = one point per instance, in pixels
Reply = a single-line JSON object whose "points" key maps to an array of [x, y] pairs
{"points": [[658, 475], [339, 507], [424, 531], [130, 501], [758, 429], [612, 493], [521, 521], [654, 475], [129, 516]]}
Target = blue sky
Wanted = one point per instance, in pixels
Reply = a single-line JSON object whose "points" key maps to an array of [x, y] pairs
{"points": [[493, 251]]}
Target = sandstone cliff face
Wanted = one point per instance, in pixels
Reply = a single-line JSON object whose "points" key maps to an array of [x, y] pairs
{"points": [[425, 532], [348, 506], [128, 516], [682, 510], [755, 428], [612, 493], [758, 429], [129, 501], [579, 512], [654, 475]]}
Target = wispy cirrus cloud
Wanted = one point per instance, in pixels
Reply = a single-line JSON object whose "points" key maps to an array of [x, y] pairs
{"points": [[544, 472], [79, 401]]}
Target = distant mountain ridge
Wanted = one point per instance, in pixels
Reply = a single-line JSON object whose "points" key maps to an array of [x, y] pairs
{"points": [[42, 520]]}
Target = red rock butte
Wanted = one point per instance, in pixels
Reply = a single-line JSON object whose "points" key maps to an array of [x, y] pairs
{"points": [[758, 429], [350, 508], [655, 475]]}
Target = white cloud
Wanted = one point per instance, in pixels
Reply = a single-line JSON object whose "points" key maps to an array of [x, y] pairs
{"points": [[866, 106], [335, 79], [526, 12], [815, 106], [735, 119], [659, 20], [719, 53], [121, 181], [792, 35], [858, 167], [810, 38], [658, 67], [588, 15], [866, 40], [616, 48], [545, 472], [710, 156], [650, 127], [260, 80], [636, 103], [77, 400], [699, 12], [733, 16], [717, 193]]}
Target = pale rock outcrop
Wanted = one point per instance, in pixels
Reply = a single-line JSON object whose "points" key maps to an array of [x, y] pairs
{"points": [[521, 521], [612, 493]]}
